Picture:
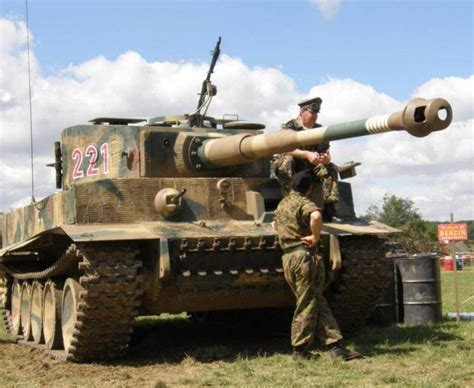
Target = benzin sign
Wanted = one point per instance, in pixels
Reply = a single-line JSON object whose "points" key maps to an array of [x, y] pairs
{"points": [[449, 232]]}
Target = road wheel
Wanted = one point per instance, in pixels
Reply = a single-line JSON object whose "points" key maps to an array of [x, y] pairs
{"points": [[15, 308], [3, 289], [25, 311], [69, 311], [37, 312], [52, 316]]}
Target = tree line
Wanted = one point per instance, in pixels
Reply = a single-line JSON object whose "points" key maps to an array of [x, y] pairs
{"points": [[418, 235]]}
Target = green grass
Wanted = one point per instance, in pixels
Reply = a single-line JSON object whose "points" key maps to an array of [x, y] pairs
{"points": [[465, 290], [172, 351], [431, 356]]}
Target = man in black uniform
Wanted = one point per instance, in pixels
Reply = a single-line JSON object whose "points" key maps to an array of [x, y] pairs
{"points": [[315, 158]]}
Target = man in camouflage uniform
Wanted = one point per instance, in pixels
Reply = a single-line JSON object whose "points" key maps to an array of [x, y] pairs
{"points": [[315, 158], [298, 222]]}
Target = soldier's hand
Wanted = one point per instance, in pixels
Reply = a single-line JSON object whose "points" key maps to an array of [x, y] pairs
{"points": [[309, 241], [313, 157], [325, 158]]}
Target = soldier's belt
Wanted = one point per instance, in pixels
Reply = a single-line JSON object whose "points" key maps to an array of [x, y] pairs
{"points": [[300, 248]]}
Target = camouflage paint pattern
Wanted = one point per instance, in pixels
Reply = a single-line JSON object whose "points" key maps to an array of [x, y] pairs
{"points": [[304, 273], [312, 318], [103, 178], [128, 201], [329, 178], [112, 190], [283, 167], [96, 152], [325, 177], [48, 214], [292, 218], [215, 254]]}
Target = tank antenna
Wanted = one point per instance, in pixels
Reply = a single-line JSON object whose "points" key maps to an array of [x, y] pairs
{"points": [[31, 111]]}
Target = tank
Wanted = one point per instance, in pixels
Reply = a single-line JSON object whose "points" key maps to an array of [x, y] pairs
{"points": [[174, 214]]}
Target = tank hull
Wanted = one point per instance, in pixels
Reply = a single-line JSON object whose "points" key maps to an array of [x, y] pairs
{"points": [[209, 258]]}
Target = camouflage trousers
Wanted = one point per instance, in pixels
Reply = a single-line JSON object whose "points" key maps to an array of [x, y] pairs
{"points": [[325, 188], [312, 318], [329, 180]]}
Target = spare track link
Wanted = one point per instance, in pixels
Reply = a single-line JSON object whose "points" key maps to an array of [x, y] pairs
{"points": [[108, 303], [364, 275]]}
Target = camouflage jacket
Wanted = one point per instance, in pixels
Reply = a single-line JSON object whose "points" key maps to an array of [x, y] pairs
{"points": [[295, 125], [300, 164], [292, 219], [284, 166]]}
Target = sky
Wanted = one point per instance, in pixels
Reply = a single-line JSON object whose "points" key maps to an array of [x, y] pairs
{"points": [[141, 58]]}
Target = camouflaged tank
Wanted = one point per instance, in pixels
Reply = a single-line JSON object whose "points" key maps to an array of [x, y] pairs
{"points": [[174, 215]]}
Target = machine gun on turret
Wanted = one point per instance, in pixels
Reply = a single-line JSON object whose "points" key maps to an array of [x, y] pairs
{"points": [[207, 89]]}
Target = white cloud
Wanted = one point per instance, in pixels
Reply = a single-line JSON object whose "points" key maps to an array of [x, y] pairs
{"points": [[328, 8], [15, 180], [346, 99], [435, 196], [458, 91], [436, 171], [13, 36]]}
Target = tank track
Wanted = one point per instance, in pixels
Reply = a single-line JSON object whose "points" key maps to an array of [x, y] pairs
{"points": [[4, 296], [67, 264], [108, 302], [364, 275]]}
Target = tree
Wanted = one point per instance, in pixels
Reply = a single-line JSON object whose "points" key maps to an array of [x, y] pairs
{"points": [[402, 214]]}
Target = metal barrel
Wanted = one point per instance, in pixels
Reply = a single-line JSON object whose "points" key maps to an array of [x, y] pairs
{"points": [[385, 312], [419, 118], [420, 289]]}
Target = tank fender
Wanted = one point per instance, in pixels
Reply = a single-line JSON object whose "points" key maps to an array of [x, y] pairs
{"points": [[358, 226], [109, 232]]}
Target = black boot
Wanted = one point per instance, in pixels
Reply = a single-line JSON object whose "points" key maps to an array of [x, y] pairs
{"points": [[329, 212], [338, 351]]}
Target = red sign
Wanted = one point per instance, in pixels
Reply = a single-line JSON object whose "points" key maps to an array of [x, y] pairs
{"points": [[452, 232]]}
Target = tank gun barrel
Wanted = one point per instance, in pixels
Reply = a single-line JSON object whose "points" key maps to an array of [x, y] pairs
{"points": [[419, 118]]}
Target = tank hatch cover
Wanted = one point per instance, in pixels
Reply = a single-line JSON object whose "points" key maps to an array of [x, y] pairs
{"points": [[170, 119], [115, 121], [241, 124]]}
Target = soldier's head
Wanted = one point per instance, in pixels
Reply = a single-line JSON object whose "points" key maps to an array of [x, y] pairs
{"points": [[309, 110], [302, 182]]}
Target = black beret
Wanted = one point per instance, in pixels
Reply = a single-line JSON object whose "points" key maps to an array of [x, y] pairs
{"points": [[302, 181], [312, 104]]}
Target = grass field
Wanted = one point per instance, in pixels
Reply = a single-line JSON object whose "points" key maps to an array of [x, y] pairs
{"points": [[465, 290], [172, 351]]}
